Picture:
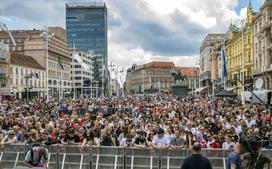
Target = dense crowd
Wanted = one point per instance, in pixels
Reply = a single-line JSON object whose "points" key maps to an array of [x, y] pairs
{"points": [[136, 121]]}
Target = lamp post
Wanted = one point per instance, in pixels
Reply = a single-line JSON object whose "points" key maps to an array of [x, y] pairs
{"points": [[46, 35]]}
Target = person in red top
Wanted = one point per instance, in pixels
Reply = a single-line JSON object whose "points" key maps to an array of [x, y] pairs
{"points": [[215, 143]]}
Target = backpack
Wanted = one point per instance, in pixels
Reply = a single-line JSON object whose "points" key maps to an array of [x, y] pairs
{"points": [[245, 161], [252, 161], [32, 154]]}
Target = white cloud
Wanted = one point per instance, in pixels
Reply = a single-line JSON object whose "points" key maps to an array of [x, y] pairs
{"points": [[141, 30], [243, 13]]}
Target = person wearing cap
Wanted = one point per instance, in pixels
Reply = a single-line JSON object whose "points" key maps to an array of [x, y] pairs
{"points": [[160, 141], [196, 160]]}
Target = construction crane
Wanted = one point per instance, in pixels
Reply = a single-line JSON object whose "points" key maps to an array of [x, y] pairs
{"points": [[5, 28]]}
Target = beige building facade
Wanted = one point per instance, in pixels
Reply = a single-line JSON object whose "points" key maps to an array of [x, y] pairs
{"points": [[263, 44], [205, 62], [152, 77], [4, 68], [27, 77], [33, 43]]}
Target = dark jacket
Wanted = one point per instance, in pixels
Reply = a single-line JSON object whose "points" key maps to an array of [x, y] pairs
{"points": [[196, 161]]}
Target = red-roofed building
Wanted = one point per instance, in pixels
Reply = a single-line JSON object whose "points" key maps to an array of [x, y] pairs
{"points": [[150, 78], [191, 79]]}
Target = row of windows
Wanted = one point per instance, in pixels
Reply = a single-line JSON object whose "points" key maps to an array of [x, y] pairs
{"points": [[54, 82], [88, 30], [84, 24], [28, 82], [24, 71]]}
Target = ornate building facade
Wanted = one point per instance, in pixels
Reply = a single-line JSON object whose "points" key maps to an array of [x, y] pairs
{"points": [[240, 56], [263, 44]]}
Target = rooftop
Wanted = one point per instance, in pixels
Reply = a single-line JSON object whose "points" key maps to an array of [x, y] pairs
{"points": [[24, 60], [159, 64], [85, 4], [189, 71]]}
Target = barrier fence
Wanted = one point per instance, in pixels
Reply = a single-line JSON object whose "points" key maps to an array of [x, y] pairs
{"points": [[76, 157]]}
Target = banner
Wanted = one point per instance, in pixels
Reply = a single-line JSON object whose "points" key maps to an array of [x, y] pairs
{"points": [[80, 61]]}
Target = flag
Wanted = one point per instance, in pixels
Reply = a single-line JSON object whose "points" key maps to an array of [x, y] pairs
{"points": [[37, 75], [80, 61], [61, 66], [225, 70]]}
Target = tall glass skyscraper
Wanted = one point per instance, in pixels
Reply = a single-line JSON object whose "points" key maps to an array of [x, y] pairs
{"points": [[86, 26]]}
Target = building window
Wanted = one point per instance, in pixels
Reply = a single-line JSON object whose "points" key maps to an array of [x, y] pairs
{"points": [[17, 71]]}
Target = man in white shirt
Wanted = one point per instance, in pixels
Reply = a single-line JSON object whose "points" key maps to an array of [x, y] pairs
{"points": [[160, 141], [228, 144], [237, 127]]}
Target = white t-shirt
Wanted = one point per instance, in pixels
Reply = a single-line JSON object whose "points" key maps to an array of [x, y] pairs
{"points": [[161, 142], [124, 142], [238, 130], [227, 145]]}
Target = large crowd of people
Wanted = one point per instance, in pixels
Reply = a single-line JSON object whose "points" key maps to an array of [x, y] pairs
{"points": [[158, 121]]}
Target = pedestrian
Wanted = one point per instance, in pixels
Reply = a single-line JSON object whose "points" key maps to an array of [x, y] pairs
{"points": [[161, 141], [234, 158], [36, 157], [196, 160]]}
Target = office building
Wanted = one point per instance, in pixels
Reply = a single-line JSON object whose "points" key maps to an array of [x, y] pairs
{"points": [[83, 75], [86, 25]]}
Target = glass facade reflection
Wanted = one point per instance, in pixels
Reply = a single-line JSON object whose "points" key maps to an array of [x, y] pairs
{"points": [[86, 26]]}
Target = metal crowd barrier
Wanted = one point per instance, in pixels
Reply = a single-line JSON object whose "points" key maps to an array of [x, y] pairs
{"points": [[76, 157]]}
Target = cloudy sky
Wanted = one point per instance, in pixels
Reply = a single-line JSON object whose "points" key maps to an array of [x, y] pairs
{"points": [[141, 30]]}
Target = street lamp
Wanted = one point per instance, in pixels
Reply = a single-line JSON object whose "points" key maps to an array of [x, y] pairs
{"points": [[46, 35]]}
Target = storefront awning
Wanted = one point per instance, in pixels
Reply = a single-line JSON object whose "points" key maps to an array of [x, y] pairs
{"points": [[231, 88], [200, 89]]}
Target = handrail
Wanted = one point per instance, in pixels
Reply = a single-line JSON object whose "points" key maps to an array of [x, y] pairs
{"points": [[160, 158]]}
